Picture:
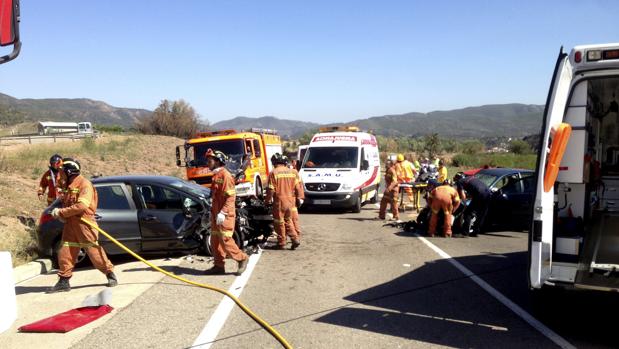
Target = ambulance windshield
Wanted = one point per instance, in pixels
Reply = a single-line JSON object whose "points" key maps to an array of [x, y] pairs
{"points": [[331, 157]]}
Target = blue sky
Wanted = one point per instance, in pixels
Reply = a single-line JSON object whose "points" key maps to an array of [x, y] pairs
{"points": [[313, 60]]}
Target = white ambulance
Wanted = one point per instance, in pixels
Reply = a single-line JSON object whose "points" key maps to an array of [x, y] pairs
{"points": [[574, 239], [341, 169]]}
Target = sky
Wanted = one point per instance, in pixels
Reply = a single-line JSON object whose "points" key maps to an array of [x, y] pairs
{"points": [[319, 60]]}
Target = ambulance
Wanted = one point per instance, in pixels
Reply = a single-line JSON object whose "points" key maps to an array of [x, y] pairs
{"points": [[341, 169], [574, 238]]}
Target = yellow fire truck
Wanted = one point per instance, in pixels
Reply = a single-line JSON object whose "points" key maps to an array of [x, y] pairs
{"points": [[250, 154]]}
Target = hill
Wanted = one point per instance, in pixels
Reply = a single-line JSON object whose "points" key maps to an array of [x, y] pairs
{"points": [[499, 120], [14, 111], [286, 128], [513, 120]]}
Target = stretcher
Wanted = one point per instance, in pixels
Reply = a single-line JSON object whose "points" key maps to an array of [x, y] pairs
{"points": [[606, 251], [418, 188]]}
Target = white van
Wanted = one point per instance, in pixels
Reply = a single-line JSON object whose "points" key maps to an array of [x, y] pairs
{"points": [[341, 168], [574, 240]]}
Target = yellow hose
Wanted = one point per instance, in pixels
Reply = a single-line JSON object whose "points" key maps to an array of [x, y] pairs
{"points": [[243, 307]]}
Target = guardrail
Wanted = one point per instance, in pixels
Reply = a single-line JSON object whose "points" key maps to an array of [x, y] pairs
{"points": [[10, 140]]}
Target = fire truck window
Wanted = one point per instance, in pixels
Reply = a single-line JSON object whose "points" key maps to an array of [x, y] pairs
{"points": [[257, 151], [248, 147]]}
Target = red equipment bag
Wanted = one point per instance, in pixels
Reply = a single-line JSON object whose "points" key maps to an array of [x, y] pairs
{"points": [[69, 320]]}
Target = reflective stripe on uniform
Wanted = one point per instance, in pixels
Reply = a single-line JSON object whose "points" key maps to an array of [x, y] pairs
{"points": [[224, 233], [80, 244], [84, 201], [285, 175], [294, 209], [278, 222], [230, 192]]}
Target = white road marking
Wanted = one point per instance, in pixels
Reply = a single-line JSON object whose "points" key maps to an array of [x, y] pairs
{"points": [[528, 318], [219, 317]]}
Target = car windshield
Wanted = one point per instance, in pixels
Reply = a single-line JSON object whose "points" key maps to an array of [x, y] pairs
{"points": [[191, 188], [331, 157], [487, 178], [234, 148]]}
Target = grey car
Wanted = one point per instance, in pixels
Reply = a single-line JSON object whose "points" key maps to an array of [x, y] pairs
{"points": [[148, 214]]}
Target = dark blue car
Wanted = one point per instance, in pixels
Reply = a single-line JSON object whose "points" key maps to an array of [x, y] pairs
{"points": [[512, 197]]}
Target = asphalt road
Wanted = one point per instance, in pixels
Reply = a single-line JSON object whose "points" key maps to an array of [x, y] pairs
{"points": [[354, 284]]}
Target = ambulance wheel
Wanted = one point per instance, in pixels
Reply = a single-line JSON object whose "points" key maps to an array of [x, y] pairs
{"points": [[357, 206]]}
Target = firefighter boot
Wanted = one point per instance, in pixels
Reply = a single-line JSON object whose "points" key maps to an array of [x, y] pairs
{"points": [[295, 245], [112, 281], [61, 286], [242, 266], [215, 271]]}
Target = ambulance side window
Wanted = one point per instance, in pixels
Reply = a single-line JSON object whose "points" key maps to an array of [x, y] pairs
{"points": [[257, 150]]}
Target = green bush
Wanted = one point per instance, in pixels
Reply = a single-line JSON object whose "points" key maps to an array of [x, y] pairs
{"points": [[518, 146], [527, 161]]}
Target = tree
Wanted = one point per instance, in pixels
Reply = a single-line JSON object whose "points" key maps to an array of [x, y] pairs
{"points": [[432, 145], [518, 146], [472, 147], [172, 118]]}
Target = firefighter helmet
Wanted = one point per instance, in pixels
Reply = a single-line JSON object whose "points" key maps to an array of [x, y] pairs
{"points": [[400, 157], [458, 177], [217, 155], [278, 158], [71, 167], [55, 162]]}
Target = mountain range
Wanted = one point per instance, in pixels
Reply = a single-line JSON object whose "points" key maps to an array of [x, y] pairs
{"points": [[498, 120], [14, 110]]}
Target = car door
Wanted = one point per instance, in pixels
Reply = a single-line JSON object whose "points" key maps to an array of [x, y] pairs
{"points": [[163, 223], [515, 201], [118, 216]]}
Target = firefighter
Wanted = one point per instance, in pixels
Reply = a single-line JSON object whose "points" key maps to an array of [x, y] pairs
{"points": [[445, 199], [52, 180], [479, 195], [299, 202], [442, 172], [283, 191], [223, 214], [406, 175], [390, 196], [78, 201]]}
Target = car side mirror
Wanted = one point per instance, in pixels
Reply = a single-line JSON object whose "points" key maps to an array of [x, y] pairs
{"points": [[365, 165], [9, 28]]}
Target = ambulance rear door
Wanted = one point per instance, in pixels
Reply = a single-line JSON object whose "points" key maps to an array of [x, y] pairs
{"points": [[541, 234]]}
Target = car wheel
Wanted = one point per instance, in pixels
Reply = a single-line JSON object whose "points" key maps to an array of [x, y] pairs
{"points": [[357, 206], [81, 255], [208, 247]]}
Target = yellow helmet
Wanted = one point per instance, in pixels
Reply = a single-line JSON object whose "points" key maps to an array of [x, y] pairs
{"points": [[400, 158]]}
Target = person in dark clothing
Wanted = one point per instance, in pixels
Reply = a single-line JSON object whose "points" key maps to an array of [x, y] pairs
{"points": [[479, 195]]}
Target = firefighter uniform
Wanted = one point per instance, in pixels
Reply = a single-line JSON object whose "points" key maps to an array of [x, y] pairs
{"points": [[390, 196], [442, 174], [223, 195], [284, 189], [80, 201], [53, 182], [442, 199], [295, 212], [406, 174]]}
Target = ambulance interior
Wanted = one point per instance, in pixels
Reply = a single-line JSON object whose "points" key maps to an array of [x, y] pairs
{"points": [[586, 229]]}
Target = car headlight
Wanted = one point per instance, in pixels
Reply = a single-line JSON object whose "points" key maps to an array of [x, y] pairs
{"points": [[346, 187]]}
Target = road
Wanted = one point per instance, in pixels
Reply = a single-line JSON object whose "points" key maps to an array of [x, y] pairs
{"points": [[352, 284]]}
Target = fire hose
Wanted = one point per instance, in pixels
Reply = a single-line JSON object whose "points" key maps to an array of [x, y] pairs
{"points": [[243, 307]]}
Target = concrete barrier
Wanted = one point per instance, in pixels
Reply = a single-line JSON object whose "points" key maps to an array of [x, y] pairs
{"points": [[8, 302]]}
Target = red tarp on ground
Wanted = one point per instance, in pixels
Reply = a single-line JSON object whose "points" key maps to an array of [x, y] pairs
{"points": [[69, 320]]}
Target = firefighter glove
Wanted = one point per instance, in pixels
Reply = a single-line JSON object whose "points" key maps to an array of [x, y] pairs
{"points": [[300, 202], [56, 213], [221, 217]]}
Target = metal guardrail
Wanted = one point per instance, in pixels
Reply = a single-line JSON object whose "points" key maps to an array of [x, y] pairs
{"points": [[22, 139]]}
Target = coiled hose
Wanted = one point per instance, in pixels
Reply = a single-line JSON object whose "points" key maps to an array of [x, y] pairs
{"points": [[243, 307]]}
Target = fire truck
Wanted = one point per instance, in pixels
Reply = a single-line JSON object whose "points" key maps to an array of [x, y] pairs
{"points": [[249, 151]]}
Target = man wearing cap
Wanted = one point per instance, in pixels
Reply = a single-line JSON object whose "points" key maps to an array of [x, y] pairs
{"points": [[223, 212]]}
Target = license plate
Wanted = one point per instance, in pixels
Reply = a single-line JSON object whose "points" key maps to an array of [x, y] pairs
{"points": [[322, 202]]}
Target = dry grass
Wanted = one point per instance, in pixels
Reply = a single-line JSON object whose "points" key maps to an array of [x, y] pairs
{"points": [[22, 165]]}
